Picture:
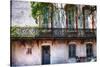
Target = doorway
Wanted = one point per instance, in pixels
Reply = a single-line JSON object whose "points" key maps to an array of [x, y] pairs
{"points": [[45, 55]]}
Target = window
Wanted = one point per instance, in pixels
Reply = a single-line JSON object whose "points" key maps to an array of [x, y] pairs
{"points": [[71, 18], [89, 50], [80, 21], [29, 51], [45, 18], [88, 22], [72, 50]]}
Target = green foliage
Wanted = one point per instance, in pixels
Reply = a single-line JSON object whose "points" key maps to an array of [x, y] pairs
{"points": [[38, 8], [25, 31], [41, 9], [13, 31]]}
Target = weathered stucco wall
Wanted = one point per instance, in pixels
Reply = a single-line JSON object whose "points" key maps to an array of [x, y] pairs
{"points": [[58, 52], [20, 56], [21, 14]]}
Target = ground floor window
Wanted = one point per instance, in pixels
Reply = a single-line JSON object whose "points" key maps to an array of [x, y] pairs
{"points": [[89, 50]]}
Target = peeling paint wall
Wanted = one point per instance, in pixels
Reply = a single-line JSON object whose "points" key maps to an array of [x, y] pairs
{"points": [[59, 52], [20, 56]]}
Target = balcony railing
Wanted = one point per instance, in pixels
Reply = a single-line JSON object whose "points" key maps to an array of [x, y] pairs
{"points": [[52, 32]]}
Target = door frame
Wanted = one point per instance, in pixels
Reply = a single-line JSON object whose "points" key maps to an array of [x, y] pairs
{"points": [[42, 54]]}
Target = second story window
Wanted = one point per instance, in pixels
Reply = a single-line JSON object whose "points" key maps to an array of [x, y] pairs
{"points": [[71, 17], [71, 20]]}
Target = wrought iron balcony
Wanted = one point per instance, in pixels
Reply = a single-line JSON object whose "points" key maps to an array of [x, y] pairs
{"points": [[52, 32]]}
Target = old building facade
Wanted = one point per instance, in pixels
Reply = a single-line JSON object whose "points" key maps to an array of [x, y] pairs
{"points": [[68, 37]]}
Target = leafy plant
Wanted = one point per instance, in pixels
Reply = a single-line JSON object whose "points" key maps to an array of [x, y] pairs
{"points": [[41, 9], [13, 31]]}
